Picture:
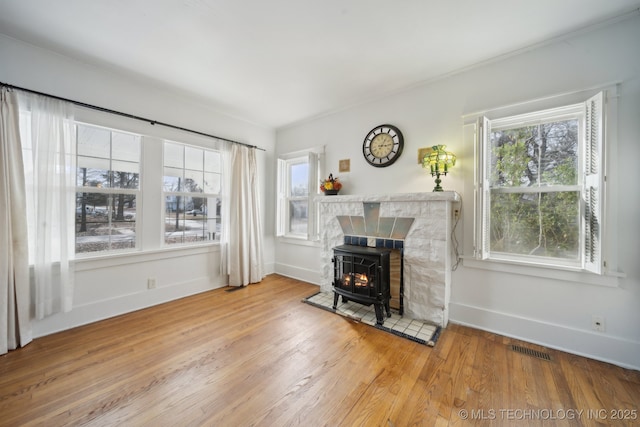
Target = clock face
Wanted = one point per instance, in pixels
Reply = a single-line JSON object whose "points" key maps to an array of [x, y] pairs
{"points": [[383, 145]]}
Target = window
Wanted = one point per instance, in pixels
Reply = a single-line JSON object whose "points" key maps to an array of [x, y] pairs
{"points": [[541, 187], [298, 183], [107, 189], [191, 182], [115, 179]]}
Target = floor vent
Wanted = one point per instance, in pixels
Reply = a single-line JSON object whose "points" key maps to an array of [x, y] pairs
{"points": [[529, 352]]}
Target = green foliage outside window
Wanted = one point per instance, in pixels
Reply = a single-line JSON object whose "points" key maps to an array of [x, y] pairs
{"points": [[535, 204]]}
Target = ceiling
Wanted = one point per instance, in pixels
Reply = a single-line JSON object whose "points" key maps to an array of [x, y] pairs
{"points": [[277, 62]]}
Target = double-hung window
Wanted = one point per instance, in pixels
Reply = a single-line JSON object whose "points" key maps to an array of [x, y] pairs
{"points": [[104, 188], [192, 179], [298, 184], [540, 187], [107, 189]]}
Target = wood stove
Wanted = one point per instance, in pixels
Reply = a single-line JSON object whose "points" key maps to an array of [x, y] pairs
{"points": [[362, 274]]}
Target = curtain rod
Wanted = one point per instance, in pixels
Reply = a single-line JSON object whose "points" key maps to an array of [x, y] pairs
{"points": [[130, 116]]}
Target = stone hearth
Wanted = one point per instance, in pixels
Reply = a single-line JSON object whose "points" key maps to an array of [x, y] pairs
{"points": [[425, 241]]}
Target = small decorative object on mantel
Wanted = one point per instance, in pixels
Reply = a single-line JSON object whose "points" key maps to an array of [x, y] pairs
{"points": [[330, 186], [438, 161]]}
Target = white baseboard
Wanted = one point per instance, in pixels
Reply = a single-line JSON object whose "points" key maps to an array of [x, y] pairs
{"points": [[104, 309], [298, 273], [594, 345]]}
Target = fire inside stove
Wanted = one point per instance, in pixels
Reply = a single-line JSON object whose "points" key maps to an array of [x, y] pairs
{"points": [[359, 280], [361, 274]]}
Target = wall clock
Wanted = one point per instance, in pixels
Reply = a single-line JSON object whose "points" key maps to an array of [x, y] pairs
{"points": [[383, 145]]}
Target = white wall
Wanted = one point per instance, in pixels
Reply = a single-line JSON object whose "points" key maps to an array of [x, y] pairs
{"points": [[553, 312], [107, 287]]}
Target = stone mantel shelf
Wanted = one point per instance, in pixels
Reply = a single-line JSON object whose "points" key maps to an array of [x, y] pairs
{"points": [[450, 196]]}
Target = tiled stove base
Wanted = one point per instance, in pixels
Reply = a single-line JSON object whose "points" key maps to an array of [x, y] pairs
{"points": [[415, 330]]}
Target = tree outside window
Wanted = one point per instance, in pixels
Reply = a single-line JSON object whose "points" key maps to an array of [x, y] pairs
{"points": [[108, 184], [191, 183], [535, 203]]}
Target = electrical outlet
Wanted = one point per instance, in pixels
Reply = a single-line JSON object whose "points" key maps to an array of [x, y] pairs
{"points": [[597, 323], [151, 283], [456, 213]]}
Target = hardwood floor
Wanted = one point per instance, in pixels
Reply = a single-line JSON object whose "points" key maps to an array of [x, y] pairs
{"points": [[258, 356]]}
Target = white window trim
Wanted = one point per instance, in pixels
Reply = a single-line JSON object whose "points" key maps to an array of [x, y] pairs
{"points": [[610, 275], [608, 279], [115, 259]]}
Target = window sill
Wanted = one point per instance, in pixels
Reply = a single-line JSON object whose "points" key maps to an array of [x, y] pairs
{"points": [[300, 241], [609, 279], [122, 258]]}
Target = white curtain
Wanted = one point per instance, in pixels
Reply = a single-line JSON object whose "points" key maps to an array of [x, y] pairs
{"points": [[49, 161], [226, 208], [15, 325], [241, 241]]}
